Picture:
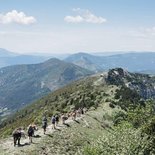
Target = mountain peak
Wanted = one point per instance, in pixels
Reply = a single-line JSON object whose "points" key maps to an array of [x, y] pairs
{"points": [[119, 72], [51, 60], [142, 83], [78, 56], [117, 76]]}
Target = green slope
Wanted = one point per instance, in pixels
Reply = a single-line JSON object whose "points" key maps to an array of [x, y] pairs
{"points": [[84, 93]]}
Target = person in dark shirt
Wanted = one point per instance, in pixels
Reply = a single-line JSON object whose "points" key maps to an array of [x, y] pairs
{"points": [[30, 133], [44, 124], [17, 136]]}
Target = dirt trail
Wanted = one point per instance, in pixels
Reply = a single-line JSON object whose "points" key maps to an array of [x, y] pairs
{"points": [[7, 146]]}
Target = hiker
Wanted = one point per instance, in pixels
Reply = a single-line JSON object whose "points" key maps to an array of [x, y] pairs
{"points": [[56, 120], [82, 111], [74, 115], [34, 128], [17, 136], [44, 124], [53, 120], [85, 110], [63, 118], [30, 132], [78, 112], [69, 114]]}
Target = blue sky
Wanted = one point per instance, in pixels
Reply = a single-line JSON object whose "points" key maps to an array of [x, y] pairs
{"points": [[69, 26]]}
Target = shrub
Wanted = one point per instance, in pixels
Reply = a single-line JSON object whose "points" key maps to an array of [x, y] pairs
{"points": [[122, 140]]}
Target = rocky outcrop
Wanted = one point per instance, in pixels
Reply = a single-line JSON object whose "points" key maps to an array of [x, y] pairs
{"points": [[142, 83]]}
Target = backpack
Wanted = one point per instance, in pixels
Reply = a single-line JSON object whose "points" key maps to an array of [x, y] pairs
{"points": [[30, 130], [44, 119], [57, 118], [44, 123], [53, 119]]}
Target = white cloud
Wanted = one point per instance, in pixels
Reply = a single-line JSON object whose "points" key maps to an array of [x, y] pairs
{"points": [[84, 16], [75, 19], [16, 17]]}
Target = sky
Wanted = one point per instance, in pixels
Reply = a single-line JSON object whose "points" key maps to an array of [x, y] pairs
{"points": [[71, 26]]}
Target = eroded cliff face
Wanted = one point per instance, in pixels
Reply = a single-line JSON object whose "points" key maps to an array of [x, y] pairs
{"points": [[142, 83]]}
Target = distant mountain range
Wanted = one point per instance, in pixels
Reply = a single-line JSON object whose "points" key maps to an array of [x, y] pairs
{"points": [[143, 62], [22, 84], [8, 58], [134, 62]]}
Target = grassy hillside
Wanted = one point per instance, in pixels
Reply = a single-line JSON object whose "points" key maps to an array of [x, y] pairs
{"points": [[84, 93]]}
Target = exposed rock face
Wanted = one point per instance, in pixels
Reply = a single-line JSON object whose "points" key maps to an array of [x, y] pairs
{"points": [[142, 83]]}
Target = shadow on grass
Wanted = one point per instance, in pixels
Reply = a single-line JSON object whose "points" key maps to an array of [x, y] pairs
{"points": [[58, 129], [77, 121], [66, 124], [36, 136], [49, 135]]}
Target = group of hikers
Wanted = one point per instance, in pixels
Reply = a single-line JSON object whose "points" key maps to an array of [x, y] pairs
{"points": [[19, 132]]}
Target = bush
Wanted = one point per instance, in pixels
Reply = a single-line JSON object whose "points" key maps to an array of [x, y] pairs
{"points": [[122, 140], [111, 105]]}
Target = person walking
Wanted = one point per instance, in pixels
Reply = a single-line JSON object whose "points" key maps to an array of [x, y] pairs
{"points": [[74, 115], [44, 124], [30, 132], [53, 120], [56, 119], [17, 136], [63, 118]]}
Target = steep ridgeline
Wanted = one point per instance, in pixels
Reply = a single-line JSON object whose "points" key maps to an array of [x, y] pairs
{"points": [[22, 84], [143, 84], [87, 61], [134, 62]]}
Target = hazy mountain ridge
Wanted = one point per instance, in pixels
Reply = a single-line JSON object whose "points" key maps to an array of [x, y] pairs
{"points": [[134, 62], [8, 58], [6, 53], [85, 60]]}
